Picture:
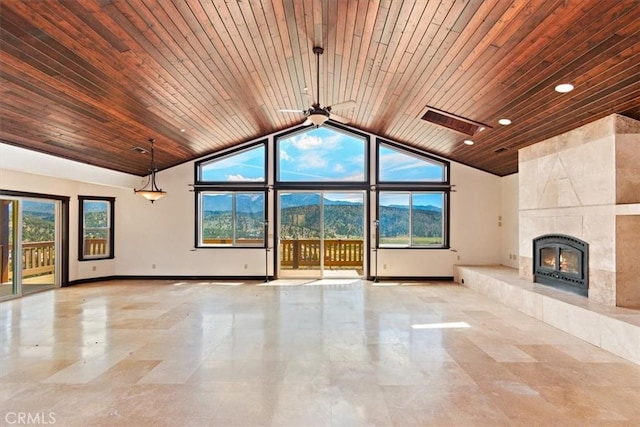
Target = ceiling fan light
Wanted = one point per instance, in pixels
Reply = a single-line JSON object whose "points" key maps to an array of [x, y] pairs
{"points": [[318, 118]]}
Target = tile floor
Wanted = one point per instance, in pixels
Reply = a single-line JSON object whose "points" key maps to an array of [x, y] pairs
{"points": [[165, 353]]}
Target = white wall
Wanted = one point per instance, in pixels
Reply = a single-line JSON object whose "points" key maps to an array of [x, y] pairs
{"points": [[158, 239], [61, 177]]}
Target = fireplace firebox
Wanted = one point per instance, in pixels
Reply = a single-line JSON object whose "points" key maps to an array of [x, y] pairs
{"points": [[562, 262]]}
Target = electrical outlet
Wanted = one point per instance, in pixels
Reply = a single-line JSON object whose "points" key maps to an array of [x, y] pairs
{"points": [[458, 257], [246, 266], [94, 268], [384, 266], [153, 266]]}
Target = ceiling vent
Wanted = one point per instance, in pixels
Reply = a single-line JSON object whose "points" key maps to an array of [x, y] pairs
{"points": [[139, 150], [500, 150], [453, 122]]}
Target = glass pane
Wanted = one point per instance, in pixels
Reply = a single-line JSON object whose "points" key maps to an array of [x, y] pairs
{"points": [[7, 248], [426, 219], [300, 231], [394, 219], [245, 166], [569, 261], [321, 154], [343, 234], [401, 166], [38, 245], [96, 228], [216, 223], [548, 258], [249, 218]]}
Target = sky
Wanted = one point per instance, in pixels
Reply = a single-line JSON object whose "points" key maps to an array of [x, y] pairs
{"points": [[325, 154], [321, 154]]}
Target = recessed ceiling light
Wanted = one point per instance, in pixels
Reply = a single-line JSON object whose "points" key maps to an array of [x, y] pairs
{"points": [[183, 130], [564, 88], [468, 142], [504, 122]]}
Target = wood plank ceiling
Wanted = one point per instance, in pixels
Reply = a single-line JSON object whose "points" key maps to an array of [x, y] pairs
{"points": [[92, 79]]}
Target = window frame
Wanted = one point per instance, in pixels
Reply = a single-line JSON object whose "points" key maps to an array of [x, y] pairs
{"points": [[200, 192], [110, 229], [329, 185], [443, 186], [229, 153]]}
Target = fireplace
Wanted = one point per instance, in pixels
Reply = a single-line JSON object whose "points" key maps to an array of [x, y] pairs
{"points": [[562, 262]]}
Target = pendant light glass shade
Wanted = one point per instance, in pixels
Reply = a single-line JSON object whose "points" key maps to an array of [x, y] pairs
{"points": [[152, 193]]}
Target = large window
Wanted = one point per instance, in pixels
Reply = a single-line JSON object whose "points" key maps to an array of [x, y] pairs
{"points": [[231, 198], [96, 228], [231, 218], [246, 165], [413, 191], [411, 219], [324, 154]]}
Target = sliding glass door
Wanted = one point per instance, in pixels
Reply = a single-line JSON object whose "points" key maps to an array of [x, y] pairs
{"points": [[30, 230], [321, 234]]}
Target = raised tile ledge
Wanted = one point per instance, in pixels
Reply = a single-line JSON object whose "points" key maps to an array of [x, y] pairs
{"points": [[613, 329]]}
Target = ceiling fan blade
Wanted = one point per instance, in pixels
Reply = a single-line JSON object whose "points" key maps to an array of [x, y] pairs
{"points": [[338, 118], [344, 105], [307, 122], [290, 111]]}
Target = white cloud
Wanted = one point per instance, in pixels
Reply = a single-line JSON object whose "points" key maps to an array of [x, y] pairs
{"points": [[312, 161], [240, 177], [307, 142], [338, 168], [285, 156]]}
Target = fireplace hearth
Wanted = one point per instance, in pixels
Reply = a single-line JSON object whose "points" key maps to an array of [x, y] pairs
{"points": [[562, 262]]}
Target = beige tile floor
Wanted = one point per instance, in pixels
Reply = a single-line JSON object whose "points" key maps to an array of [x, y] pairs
{"points": [[164, 353]]}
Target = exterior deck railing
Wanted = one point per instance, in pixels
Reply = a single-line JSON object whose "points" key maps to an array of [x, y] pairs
{"points": [[300, 253], [38, 258]]}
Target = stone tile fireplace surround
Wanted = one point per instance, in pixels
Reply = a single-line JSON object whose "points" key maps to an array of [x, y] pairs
{"points": [[586, 183]]}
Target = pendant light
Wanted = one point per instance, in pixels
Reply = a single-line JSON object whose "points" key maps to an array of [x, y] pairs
{"points": [[152, 193]]}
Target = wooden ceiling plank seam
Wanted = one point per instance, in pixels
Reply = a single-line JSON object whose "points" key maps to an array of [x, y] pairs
{"points": [[372, 8], [272, 13], [479, 17], [523, 106], [123, 17], [554, 74], [556, 47], [256, 68], [527, 30], [346, 49], [297, 64], [282, 87], [350, 77], [214, 62], [264, 50], [467, 50], [397, 43], [479, 92], [254, 65], [529, 132], [373, 59], [425, 57], [152, 46], [330, 56], [441, 56], [599, 22], [173, 26]]}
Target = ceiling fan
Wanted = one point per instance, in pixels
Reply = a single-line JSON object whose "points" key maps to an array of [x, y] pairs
{"points": [[316, 114]]}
